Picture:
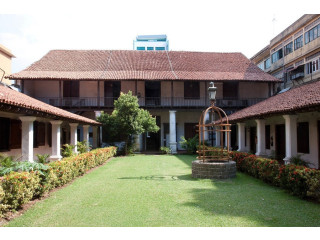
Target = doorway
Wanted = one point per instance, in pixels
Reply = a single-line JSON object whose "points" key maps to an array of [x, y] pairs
{"points": [[153, 93], [153, 139], [253, 140], [111, 92], [280, 142]]}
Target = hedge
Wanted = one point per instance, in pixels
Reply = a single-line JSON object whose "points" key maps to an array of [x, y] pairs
{"points": [[298, 180], [18, 188]]}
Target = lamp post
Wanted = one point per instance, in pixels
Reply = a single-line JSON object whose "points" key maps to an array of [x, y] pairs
{"points": [[212, 91]]}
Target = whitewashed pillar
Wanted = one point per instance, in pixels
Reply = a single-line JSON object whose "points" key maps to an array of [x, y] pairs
{"points": [[86, 133], [291, 137], [173, 135], [56, 142], [27, 138], [226, 139], [241, 136], [95, 136], [73, 136], [261, 137]]}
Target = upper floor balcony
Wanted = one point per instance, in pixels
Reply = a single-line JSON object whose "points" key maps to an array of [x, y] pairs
{"points": [[147, 102]]}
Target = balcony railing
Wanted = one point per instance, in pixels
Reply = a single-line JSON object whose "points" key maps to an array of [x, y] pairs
{"points": [[160, 102]]}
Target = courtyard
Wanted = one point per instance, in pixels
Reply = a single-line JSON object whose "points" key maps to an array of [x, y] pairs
{"points": [[158, 191]]}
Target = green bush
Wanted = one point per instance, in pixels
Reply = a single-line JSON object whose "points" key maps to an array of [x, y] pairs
{"points": [[298, 180], [190, 145], [83, 147], [165, 150], [42, 158], [5, 161], [17, 188], [23, 167], [67, 150]]}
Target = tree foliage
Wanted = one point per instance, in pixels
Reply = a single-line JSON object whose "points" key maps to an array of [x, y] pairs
{"points": [[127, 119]]}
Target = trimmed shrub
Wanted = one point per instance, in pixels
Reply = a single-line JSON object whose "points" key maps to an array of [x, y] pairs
{"points": [[17, 188], [298, 180]]}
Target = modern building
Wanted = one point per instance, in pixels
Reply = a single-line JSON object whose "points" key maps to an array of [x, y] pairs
{"points": [[151, 43], [5, 64], [284, 125], [293, 55], [172, 85], [29, 127]]}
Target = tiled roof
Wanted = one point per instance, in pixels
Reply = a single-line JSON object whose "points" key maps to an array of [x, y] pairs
{"points": [[143, 65], [303, 98], [17, 99]]}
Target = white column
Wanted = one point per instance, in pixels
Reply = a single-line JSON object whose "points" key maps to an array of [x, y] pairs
{"points": [[173, 136], [291, 137], [86, 133], [218, 138], [95, 136], [226, 139], [241, 136], [56, 146], [206, 133], [27, 138], [73, 135], [261, 137]]}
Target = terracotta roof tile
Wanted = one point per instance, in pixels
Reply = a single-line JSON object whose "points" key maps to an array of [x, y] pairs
{"points": [[14, 98], [146, 65], [298, 99]]}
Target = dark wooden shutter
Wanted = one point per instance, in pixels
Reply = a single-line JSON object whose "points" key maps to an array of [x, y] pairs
{"points": [[15, 134], [267, 135], [303, 137], [49, 134], [41, 134]]}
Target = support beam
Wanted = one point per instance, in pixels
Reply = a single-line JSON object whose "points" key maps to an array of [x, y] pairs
{"points": [[291, 137], [73, 136], [27, 138], [56, 142], [261, 137], [173, 136], [241, 137]]}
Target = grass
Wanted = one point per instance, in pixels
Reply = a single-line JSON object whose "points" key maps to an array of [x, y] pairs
{"points": [[151, 190]]}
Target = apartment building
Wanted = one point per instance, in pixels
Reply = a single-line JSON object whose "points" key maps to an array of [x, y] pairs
{"points": [[151, 43], [293, 55], [5, 63], [171, 85]]}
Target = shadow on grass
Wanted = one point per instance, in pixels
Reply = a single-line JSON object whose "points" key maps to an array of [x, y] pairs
{"points": [[187, 177]]}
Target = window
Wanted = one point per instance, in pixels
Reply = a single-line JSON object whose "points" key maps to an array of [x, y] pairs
{"points": [[267, 129], [150, 48], [267, 63], [277, 55], [311, 34], [15, 134], [141, 48], [312, 66], [4, 133], [230, 90], [160, 48], [288, 49], [39, 134], [191, 90], [303, 137], [261, 65], [298, 43], [71, 89]]}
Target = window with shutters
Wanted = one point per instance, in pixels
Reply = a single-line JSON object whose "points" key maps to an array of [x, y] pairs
{"points": [[39, 134], [230, 90], [71, 89]]}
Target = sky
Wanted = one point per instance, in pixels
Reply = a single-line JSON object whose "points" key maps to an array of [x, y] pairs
{"points": [[31, 28]]}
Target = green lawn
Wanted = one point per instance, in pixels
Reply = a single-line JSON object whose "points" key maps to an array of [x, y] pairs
{"points": [[151, 190]]}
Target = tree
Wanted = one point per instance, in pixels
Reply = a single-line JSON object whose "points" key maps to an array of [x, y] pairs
{"points": [[127, 119]]}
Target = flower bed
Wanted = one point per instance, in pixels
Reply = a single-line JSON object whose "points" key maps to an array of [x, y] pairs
{"points": [[298, 180], [18, 188]]}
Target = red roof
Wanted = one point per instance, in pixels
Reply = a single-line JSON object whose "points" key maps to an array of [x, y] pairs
{"points": [[303, 98], [17, 99], [143, 65]]}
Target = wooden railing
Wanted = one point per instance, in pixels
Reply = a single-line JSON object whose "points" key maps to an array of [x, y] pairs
{"points": [[160, 102]]}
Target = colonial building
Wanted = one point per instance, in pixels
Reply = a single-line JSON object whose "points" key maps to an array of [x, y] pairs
{"points": [[5, 64], [293, 55], [284, 125], [29, 127], [171, 85]]}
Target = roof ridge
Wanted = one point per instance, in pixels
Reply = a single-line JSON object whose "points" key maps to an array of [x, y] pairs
{"points": [[109, 60]]}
